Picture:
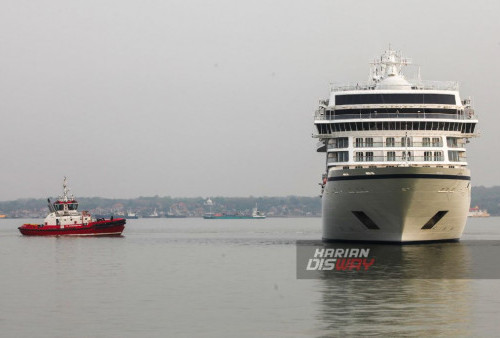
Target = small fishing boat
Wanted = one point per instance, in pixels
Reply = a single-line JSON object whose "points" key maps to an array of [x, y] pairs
{"points": [[64, 219]]}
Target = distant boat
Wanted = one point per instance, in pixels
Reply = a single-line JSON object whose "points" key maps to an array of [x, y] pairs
{"points": [[172, 215], [476, 212], [256, 214], [154, 214], [226, 216], [131, 215]]}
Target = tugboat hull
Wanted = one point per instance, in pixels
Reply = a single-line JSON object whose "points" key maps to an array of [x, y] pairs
{"points": [[99, 228]]}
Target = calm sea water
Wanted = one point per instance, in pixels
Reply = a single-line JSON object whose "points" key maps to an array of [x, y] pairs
{"points": [[195, 277]]}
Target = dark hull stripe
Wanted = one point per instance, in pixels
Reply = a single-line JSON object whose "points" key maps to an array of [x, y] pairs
{"points": [[390, 176], [331, 240]]}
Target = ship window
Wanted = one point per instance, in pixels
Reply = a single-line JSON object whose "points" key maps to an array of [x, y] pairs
{"points": [[369, 156], [369, 141], [359, 142], [391, 156], [436, 142], [428, 156], [407, 156], [389, 142], [338, 156], [405, 142], [453, 156], [340, 142], [426, 142], [343, 156], [438, 156], [452, 142], [353, 99]]}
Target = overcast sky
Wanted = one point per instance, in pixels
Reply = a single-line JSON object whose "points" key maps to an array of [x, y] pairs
{"points": [[205, 98]]}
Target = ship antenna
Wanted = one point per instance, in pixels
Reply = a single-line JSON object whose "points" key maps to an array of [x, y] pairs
{"points": [[65, 189]]}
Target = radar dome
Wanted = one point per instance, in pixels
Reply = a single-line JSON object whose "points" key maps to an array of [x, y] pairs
{"points": [[394, 82]]}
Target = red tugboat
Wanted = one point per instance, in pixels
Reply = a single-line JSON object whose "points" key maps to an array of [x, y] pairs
{"points": [[64, 219]]}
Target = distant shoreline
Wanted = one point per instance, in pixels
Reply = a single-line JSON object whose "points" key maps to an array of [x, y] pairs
{"points": [[277, 206]]}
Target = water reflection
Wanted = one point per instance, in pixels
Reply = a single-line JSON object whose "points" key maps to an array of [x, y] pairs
{"points": [[88, 278], [395, 307], [394, 300]]}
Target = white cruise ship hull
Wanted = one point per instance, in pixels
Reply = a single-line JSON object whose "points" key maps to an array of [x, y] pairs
{"points": [[400, 204]]}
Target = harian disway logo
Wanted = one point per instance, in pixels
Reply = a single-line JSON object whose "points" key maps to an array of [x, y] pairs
{"points": [[340, 259]]}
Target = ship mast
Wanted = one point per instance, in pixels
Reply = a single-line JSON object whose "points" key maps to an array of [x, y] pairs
{"points": [[66, 190], [391, 63]]}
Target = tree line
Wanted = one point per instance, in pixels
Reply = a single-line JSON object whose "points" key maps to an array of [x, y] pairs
{"points": [[484, 197]]}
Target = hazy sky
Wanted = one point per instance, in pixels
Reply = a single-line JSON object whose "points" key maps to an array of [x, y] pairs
{"points": [[206, 98]]}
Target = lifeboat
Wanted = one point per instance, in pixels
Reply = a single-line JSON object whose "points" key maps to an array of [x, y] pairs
{"points": [[64, 219]]}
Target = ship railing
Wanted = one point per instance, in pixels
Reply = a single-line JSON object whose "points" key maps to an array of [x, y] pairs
{"points": [[415, 84], [395, 145], [342, 87], [399, 158], [435, 85], [370, 116]]}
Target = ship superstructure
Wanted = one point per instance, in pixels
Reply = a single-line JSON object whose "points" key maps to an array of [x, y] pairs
{"points": [[396, 165]]}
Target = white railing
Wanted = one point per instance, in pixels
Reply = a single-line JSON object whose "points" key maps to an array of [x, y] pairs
{"points": [[419, 85], [399, 159], [325, 116], [410, 144]]}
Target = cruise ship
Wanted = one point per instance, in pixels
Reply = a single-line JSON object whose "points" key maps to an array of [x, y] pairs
{"points": [[396, 165]]}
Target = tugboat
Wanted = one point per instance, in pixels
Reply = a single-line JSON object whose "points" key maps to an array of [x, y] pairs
{"points": [[64, 219], [476, 212]]}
